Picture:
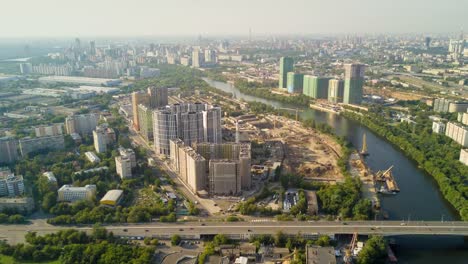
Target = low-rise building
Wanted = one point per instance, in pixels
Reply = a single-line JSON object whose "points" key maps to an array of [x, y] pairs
{"points": [[50, 177], [320, 255], [92, 157], [68, 193], [112, 198], [20, 204]]}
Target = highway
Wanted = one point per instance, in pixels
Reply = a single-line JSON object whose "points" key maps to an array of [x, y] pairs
{"points": [[243, 230]]}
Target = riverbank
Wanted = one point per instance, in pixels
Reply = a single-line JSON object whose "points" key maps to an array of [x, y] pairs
{"points": [[438, 172]]}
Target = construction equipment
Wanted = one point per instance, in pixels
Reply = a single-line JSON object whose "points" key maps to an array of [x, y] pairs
{"points": [[297, 110], [349, 252]]}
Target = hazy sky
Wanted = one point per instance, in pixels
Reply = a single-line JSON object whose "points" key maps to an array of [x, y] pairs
{"points": [[27, 18]]}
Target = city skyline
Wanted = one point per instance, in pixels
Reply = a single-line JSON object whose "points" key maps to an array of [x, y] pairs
{"points": [[52, 18]]}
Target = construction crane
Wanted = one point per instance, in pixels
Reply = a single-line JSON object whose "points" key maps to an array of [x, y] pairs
{"points": [[352, 245], [297, 110]]}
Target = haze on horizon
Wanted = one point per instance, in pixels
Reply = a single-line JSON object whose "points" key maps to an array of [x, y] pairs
{"points": [[56, 18]]}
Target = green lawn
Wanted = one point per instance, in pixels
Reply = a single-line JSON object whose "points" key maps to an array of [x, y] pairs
{"points": [[10, 260]]}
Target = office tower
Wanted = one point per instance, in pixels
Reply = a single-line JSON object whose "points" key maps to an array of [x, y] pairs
{"points": [[68, 193], [158, 97], [51, 130], [295, 82], [196, 59], [26, 68], [190, 122], [145, 121], [316, 87], [81, 124], [335, 91], [28, 145], [427, 42], [137, 99], [354, 81], [224, 177], [286, 65], [8, 150], [92, 48], [123, 166], [10, 185], [77, 45], [103, 136]]}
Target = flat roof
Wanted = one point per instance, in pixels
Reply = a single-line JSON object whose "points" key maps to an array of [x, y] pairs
{"points": [[112, 195]]}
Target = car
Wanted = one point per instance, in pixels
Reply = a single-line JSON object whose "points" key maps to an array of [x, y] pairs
{"points": [[181, 229], [125, 230], [191, 228], [146, 230], [249, 230], [203, 224], [344, 223], [403, 224]]}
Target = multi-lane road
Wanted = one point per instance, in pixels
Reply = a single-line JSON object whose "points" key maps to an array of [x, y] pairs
{"points": [[15, 233]]}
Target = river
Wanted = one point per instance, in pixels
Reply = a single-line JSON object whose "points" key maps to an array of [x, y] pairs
{"points": [[419, 198]]}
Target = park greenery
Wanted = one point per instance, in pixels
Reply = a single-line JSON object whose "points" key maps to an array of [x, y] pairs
{"points": [[374, 251], [72, 246], [434, 153]]}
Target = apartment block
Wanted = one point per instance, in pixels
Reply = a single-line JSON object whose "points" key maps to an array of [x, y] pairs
{"points": [[50, 130], [28, 145], [10, 184], [458, 133], [81, 124], [8, 150]]}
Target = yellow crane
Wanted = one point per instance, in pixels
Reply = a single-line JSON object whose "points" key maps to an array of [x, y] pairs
{"points": [[297, 110], [348, 257]]}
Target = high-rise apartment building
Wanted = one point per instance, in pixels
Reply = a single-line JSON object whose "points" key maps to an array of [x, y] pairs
{"points": [[158, 96], [224, 177], [81, 124], [286, 65], [335, 91], [295, 82], [354, 81], [28, 145], [458, 133], [50, 130], [123, 166], [138, 98], [316, 87], [8, 150], [103, 136], [10, 184], [128, 153], [145, 122], [190, 122], [464, 156], [68, 193]]}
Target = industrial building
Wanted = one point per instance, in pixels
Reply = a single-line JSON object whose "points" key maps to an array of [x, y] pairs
{"points": [[81, 124], [10, 184], [190, 122], [354, 81], [112, 198], [68, 193], [80, 80], [458, 133], [28, 145], [8, 150]]}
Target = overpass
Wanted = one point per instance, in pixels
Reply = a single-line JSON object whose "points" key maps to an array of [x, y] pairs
{"points": [[245, 230]]}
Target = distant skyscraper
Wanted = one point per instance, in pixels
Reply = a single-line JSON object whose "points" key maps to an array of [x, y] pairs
{"points": [[286, 65], [196, 59], [354, 81], [92, 48], [427, 42]]}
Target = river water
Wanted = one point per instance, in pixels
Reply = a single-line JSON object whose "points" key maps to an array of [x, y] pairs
{"points": [[419, 198]]}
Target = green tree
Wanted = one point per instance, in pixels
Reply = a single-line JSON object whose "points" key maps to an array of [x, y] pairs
{"points": [[175, 240]]}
